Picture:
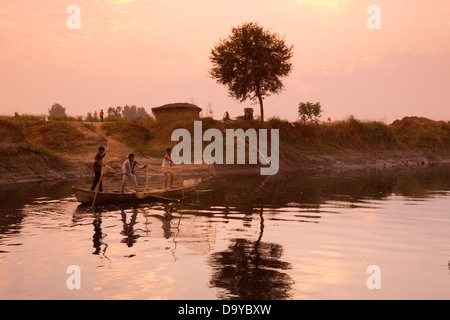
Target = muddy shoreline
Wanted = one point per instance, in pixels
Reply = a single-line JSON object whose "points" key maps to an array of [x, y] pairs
{"points": [[345, 162]]}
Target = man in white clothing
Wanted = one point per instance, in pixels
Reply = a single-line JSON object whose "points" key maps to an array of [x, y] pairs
{"points": [[166, 164], [128, 170]]}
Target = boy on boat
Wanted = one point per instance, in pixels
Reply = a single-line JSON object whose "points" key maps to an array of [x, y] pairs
{"points": [[98, 164], [166, 164], [128, 170]]}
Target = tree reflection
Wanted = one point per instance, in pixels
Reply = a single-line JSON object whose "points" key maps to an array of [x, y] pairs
{"points": [[250, 270]]}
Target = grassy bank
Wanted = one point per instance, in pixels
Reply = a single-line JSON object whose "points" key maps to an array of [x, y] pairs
{"points": [[39, 147], [149, 137], [21, 158]]}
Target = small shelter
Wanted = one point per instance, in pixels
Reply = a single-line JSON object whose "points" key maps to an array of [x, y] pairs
{"points": [[177, 111]]}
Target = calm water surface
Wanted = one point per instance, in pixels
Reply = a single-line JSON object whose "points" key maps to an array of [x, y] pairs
{"points": [[242, 237]]}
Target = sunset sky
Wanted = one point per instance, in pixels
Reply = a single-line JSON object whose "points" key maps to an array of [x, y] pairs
{"points": [[152, 52]]}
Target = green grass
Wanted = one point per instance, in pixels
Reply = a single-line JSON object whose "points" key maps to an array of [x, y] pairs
{"points": [[42, 117], [433, 136], [132, 133], [62, 118], [349, 134], [150, 137], [17, 151], [23, 117], [57, 136]]}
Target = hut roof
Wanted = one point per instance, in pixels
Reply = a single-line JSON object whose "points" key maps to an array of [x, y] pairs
{"points": [[177, 106]]}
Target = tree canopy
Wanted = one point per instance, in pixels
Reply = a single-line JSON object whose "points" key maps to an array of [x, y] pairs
{"points": [[309, 112], [127, 112], [251, 63], [57, 110]]}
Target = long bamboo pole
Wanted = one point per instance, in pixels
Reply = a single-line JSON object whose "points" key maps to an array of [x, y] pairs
{"points": [[101, 174]]}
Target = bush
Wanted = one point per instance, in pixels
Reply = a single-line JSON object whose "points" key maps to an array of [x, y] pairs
{"points": [[57, 110], [309, 112]]}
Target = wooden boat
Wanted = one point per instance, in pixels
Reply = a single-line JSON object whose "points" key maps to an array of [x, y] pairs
{"points": [[114, 196]]}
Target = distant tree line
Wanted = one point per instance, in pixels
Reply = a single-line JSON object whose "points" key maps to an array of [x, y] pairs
{"points": [[127, 112]]}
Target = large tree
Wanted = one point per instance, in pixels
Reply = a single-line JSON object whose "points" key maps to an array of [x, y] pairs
{"points": [[251, 62]]}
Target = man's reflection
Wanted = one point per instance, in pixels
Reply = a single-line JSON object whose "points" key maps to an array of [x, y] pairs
{"points": [[166, 221], [98, 236], [128, 228]]}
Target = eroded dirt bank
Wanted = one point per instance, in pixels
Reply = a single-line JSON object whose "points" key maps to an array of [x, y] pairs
{"points": [[35, 152]]}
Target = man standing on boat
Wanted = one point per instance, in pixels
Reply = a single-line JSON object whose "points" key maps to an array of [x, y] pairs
{"points": [[166, 164], [98, 164], [128, 170]]}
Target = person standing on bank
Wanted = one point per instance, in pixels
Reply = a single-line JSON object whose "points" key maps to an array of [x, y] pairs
{"points": [[101, 115], [128, 170], [98, 164]]}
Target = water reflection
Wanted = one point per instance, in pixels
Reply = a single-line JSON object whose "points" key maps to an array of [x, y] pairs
{"points": [[128, 228], [12, 200], [251, 270], [98, 238], [227, 225], [165, 219]]}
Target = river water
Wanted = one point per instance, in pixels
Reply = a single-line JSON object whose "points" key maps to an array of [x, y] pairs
{"points": [[288, 236]]}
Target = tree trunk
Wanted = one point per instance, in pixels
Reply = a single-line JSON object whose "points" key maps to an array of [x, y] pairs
{"points": [[261, 107]]}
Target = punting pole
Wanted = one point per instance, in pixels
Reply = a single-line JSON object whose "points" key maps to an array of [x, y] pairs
{"points": [[101, 175]]}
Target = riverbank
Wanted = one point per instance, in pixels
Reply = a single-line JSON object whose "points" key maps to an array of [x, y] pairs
{"points": [[35, 151]]}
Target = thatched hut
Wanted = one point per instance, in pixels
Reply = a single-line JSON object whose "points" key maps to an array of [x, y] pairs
{"points": [[177, 111]]}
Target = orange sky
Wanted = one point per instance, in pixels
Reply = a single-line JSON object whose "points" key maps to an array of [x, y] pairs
{"points": [[153, 52]]}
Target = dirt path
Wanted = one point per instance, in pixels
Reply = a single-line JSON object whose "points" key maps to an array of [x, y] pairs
{"points": [[118, 152], [94, 138]]}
